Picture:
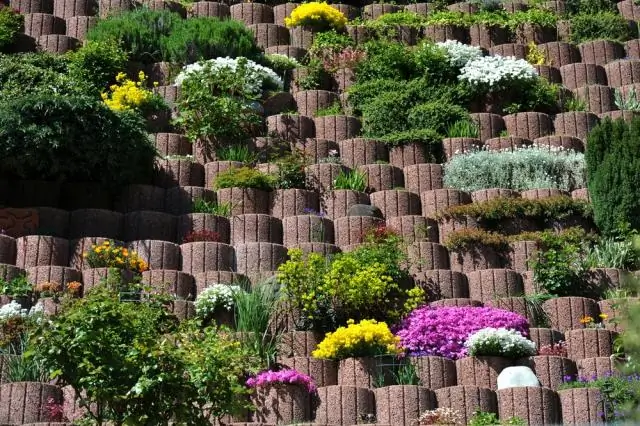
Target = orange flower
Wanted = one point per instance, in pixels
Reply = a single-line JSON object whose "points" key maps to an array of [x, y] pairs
{"points": [[586, 320], [73, 287]]}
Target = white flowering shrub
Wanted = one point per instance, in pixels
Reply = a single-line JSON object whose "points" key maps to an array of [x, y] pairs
{"points": [[281, 62], [460, 54], [497, 72], [499, 342], [521, 169], [215, 297], [256, 78], [11, 310]]}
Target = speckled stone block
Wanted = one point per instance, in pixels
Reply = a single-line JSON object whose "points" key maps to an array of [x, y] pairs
{"points": [[528, 125], [149, 225], [401, 405], [425, 256], [423, 177], [360, 151], [575, 123], [95, 223], [268, 35], [307, 229], [414, 228], [244, 200], [248, 228], [601, 52], [394, 203], [208, 278], [323, 371], [336, 203], [39, 24], [455, 146], [536, 406], [141, 197], [22, 402], [435, 372], [206, 256], [210, 9], [351, 229], [344, 405], [406, 155], [481, 371], [581, 74], [36, 250], [437, 200], [252, 13], [199, 222], [57, 274], [598, 98], [158, 254], [310, 101], [597, 367], [476, 258], [590, 343], [382, 177], [559, 53], [7, 250], [337, 127], [581, 406], [174, 282], [467, 400], [254, 258], [565, 312]]}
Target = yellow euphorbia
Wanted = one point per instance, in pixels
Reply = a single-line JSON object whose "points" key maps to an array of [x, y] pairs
{"points": [[366, 338], [128, 94], [316, 14]]}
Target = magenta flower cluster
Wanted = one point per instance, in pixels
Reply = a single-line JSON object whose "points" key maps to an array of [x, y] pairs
{"points": [[443, 331], [287, 376]]}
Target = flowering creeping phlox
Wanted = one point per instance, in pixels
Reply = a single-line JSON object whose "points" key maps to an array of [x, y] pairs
{"points": [[496, 72], [590, 322], [499, 342], [255, 78], [366, 338], [460, 54], [441, 416], [316, 14], [443, 331], [349, 57], [286, 376], [214, 297], [128, 94], [110, 255]]}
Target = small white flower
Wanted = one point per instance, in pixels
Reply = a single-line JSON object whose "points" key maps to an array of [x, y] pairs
{"points": [[11, 310], [496, 71], [214, 297], [499, 342], [460, 54]]}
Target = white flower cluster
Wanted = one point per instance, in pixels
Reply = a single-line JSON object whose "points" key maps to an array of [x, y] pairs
{"points": [[278, 60], [215, 296], [12, 310], [257, 77], [496, 71], [460, 54], [499, 342]]}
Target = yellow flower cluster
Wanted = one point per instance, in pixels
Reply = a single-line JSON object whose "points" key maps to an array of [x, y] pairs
{"points": [[128, 94], [109, 255], [316, 14], [367, 338]]}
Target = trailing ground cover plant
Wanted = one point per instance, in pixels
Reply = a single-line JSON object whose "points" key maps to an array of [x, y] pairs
{"points": [[520, 169], [454, 325], [604, 25], [502, 342], [244, 177], [612, 171], [363, 339]]}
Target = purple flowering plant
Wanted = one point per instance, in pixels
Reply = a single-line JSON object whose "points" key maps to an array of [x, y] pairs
{"points": [[284, 376], [442, 331]]}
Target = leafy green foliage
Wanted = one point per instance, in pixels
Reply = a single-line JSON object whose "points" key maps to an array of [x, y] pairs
{"points": [[431, 140], [11, 23], [97, 63], [17, 287], [237, 152], [386, 60], [291, 172], [589, 7], [467, 239], [600, 26], [73, 138], [134, 363], [244, 177], [485, 418], [154, 36], [29, 73], [613, 171], [437, 116], [334, 109]]}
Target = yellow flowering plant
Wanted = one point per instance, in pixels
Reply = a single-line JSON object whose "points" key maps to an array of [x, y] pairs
{"points": [[590, 322], [110, 255], [366, 338], [130, 95], [319, 15]]}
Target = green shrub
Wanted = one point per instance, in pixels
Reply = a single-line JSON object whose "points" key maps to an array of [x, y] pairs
{"points": [[141, 32], [434, 62], [197, 39], [329, 42], [536, 95], [31, 73], [73, 138], [600, 26], [521, 169], [613, 172], [11, 23], [467, 239], [97, 63], [437, 116], [386, 60], [244, 177], [386, 113], [589, 7], [463, 129]]}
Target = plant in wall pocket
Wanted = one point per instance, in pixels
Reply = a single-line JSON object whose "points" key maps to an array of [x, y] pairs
{"points": [[590, 322], [215, 304], [110, 255]]}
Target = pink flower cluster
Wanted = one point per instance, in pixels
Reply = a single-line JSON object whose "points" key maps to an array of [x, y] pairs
{"points": [[443, 331], [287, 376]]}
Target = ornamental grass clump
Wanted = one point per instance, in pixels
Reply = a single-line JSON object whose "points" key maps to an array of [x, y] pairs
{"points": [[444, 331], [318, 15], [110, 255], [364, 339], [499, 342], [285, 377]]}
